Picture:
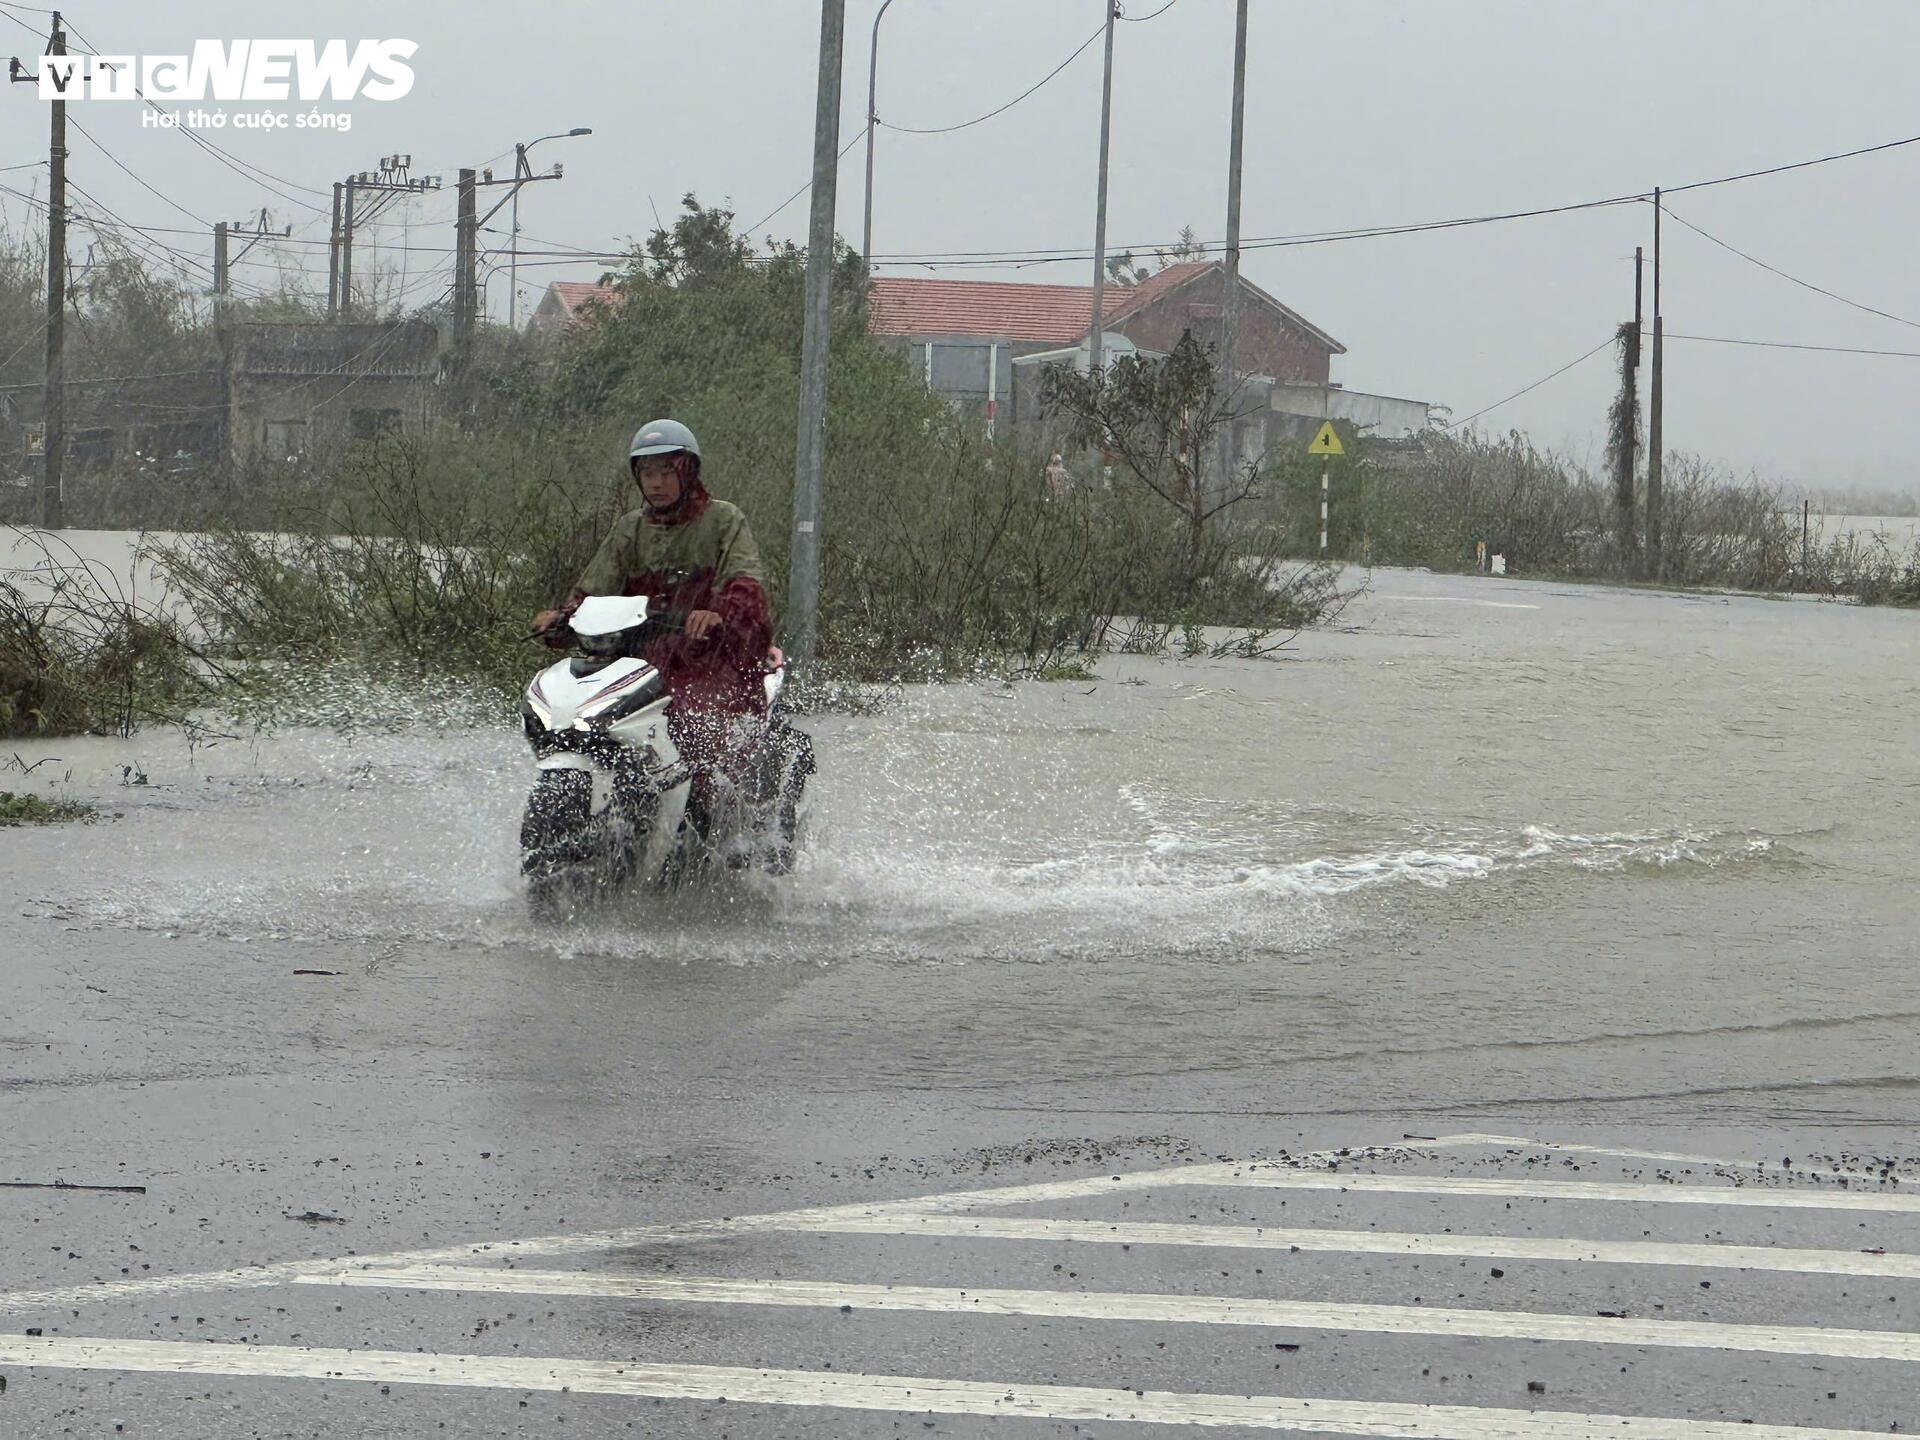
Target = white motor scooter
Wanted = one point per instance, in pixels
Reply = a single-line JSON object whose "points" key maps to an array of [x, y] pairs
{"points": [[613, 799]]}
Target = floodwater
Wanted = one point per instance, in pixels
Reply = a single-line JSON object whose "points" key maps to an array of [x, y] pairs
{"points": [[1900, 533], [1483, 843]]}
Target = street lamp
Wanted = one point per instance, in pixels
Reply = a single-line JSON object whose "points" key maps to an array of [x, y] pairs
{"points": [[873, 119], [521, 174]]}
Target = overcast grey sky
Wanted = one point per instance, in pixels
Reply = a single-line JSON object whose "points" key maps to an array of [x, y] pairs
{"points": [[1359, 112]]}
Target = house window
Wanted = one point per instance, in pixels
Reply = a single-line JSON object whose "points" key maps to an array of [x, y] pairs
{"points": [[961, 370], [285, 439], [370, 424]]}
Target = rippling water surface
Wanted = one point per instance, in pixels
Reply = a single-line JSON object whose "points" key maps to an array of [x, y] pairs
{"points": [[1487, 843]]}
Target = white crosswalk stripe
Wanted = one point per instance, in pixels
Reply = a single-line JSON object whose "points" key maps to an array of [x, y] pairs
{"points": [[1754, 1197], [1782, 1259], [1393, 1420], [1178, 1309], [973, 1228]]}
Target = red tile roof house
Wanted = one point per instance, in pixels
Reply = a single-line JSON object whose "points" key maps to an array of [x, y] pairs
{"points": [[560, 308], [967, 333]]}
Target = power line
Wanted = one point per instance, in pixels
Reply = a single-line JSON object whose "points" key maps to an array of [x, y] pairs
{"points": [[1792, 345], [1554, 375], [343, 368], [21, 23], [748, 230], [316, 244], [1002, 109], [966, 258], [1795, 279], [225, 157], [1796, 165], [979, 119], [21, 349], [1046, 256], [136, 179], [102, 227]]}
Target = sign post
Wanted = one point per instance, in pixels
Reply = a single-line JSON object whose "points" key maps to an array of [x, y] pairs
{"points": [[1325, 444]]}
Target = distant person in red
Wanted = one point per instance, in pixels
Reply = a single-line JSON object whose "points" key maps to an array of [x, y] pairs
{"points": [[689, 553]]}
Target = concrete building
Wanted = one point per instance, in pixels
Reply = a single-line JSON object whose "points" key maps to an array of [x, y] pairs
{"points": [[289, 388], [983, 343], [967, 333], [278, 391], [1385, 417]]}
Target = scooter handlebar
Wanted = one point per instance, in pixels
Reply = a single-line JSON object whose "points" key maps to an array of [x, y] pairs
{"points": [[666, 622]]}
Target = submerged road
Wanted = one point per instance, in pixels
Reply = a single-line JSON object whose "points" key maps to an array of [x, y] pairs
{"points": [[1494, 1017]]}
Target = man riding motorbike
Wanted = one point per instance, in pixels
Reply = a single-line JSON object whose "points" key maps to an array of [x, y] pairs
{"points": [[690, 554]]}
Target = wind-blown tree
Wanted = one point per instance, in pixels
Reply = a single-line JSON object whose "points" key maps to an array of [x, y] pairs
{"points": [[1160, 419]]}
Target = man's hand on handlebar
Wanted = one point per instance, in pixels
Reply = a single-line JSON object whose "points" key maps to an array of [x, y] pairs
{"points": [[550, 629], [701, 624]]}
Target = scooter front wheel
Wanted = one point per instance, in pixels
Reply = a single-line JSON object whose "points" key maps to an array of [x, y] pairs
{"points": [[556, 839]]}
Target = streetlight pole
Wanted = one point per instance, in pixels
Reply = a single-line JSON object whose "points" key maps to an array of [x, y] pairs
{"points": [[513, 239], [1230, 279], [521, 174], [873, 119], [804, 566], [1100, 212]]}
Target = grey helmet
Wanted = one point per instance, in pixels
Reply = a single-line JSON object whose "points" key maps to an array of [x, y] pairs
{"points": [[663, 437]]}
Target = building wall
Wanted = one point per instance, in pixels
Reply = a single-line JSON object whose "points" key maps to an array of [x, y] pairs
{"points": [[294, 387], [165, 423], [1266, 344], [1386, 416], [959, 370]]}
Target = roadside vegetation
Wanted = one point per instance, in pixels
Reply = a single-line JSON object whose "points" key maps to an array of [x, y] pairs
{"points": [[1432, 501], [34, 810], [79, 654], [947, 555]]}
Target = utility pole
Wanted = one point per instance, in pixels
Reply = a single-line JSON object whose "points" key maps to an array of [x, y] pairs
{"points": [[1628, 459], [513, 265], [1656, 414], [52, 479], [220, 282], [54, 416], [345, 311], [255, 230], [804, 584], [873, 121], [333, 257], [522, 175], [1094, 336], [382, 187], [1230, 298], [465, 257]]}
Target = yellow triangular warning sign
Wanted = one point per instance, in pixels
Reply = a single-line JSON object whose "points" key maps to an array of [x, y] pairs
{"points": [[1326, 442]]}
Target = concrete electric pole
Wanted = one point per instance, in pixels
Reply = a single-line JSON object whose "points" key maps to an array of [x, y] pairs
{"points": [[465, 259], [803, 601], [380, 187], [1230, 281], [873, 121], [1094, 336], [54, 402], [1656, 413]]}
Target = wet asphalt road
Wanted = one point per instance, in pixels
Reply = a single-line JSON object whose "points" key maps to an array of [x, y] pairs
{"points": [[602, 1124]]}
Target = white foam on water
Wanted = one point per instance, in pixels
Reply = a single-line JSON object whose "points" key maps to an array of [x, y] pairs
{"points": [[412, 838]]}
